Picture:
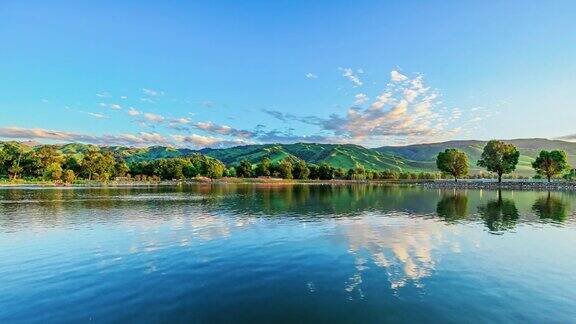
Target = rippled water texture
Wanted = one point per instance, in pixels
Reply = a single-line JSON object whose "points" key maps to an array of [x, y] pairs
{"points": [[286, 254]]}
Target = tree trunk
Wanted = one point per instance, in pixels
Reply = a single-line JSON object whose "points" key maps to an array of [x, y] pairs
{"points": [[549, 179], [455, 179], [499, 178]]}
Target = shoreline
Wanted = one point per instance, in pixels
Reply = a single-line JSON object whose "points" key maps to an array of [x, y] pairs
{"points": [[429, 184]]}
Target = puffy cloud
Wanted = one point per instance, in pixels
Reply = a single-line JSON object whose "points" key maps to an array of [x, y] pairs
{"points": [[154, 117], [115, 106], [360, 99], [133, 112], [396, 76], [311, 76], [349, 74]]}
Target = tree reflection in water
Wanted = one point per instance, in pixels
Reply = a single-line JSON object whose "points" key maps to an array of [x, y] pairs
{"points": [[500, 214], [550, 207], [453, 207]]}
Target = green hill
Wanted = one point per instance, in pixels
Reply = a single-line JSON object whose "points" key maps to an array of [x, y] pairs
{"points": [[338, 155], [529, 149]]}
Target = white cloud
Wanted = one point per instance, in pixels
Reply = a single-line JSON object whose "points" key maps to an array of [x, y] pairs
{"points": [[351, 76], [154, 117], [97, 115], [140, 139], [152, 92], [396, 76], [133, 112], [311, 76], [115, 106], [361, 98]]}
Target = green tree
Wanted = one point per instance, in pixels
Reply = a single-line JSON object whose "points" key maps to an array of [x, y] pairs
{"points": [[263, 168], [121, 169], [285, 169], [571, 175], [499, 157], [214, 168], [300, 170], [244, 170], [326, 171], [53, 172], [453, 162], [550, 163], [69, 176]]}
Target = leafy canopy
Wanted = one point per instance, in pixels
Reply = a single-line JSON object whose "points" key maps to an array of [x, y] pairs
{"points": [[499, 157], [453, 162]]}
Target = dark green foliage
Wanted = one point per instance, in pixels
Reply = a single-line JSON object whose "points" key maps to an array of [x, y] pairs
{"points": [[453, 207], [550, 207], [244, 170], [550, 163], [499, 157], [453, 162], [300, 170]]}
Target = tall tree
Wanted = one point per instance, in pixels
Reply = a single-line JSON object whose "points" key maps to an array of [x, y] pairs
{"points": [[550, 163], [263, 168], [499, 157], [300, 170], [285, 169], [244, 170], [453, 162]]}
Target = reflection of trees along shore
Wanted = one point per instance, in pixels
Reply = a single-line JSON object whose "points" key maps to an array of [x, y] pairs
{"points": [[499, 214], [292, 202], [551, 207]]}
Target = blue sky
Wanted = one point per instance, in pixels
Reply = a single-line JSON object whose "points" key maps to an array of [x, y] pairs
{"points": [[220, 73]]}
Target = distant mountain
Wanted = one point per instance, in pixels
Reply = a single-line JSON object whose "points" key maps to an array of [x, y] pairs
{"points": [[529, 149], [420, 157]]}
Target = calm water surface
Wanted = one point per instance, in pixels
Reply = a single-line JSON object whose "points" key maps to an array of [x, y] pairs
{"points": [[286, 254]]}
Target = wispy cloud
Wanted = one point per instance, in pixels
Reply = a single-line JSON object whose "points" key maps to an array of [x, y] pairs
{"points": [[140, 139], [154, 117], [360, 99], [311, 76], [349, 74], [152, 92]]}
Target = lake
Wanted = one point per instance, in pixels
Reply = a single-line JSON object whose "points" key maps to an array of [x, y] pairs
{"points": [[302, 253]]}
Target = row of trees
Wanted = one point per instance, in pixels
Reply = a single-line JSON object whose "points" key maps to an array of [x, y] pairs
{"points": [[501, 158], [299, 169], [49, 163]]}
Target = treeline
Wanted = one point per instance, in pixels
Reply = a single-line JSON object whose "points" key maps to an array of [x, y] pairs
{"points": [[299, 169], [501, 159], [48, 163]]}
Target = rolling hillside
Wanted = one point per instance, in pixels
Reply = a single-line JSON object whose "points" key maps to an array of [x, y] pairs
{"points": [[529, 149], [339, 155]]}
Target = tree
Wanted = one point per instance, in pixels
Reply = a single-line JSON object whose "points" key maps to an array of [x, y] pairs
{"points": [[326, 171], [453, 162], [499, 157], [285, 169], [571, 175], [549, 164], [263, 169], [300, 170], [69, 176], [53, 172], [121, 168], [244, 170]]}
